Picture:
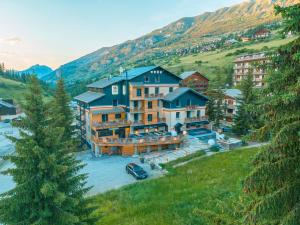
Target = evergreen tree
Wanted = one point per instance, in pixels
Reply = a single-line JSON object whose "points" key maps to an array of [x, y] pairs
{"points": [[61, 112], [210, 108], [274, 184], [48, 188], [245, 117]]}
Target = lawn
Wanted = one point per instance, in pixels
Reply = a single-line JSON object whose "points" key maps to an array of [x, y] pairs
{"points": [[211, 184], [11, 89]]}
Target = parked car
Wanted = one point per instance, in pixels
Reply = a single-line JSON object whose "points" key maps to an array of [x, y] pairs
{"points": [[137, 171]]}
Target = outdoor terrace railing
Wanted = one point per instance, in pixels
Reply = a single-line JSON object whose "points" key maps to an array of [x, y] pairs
{"points": [[154, 95], [136, 109], [195, 119], [115, 123], [139, 141]]}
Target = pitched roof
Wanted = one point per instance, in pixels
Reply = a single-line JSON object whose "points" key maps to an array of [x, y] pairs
{"points": [[130, 75], [108, 111], [136, 72], [234, 93], [105, 82], [6, 104], [186, 74], [89, 96], [180, 91]]}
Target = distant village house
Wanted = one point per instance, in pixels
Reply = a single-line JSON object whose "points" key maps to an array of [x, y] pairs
{"points": [[194, 80]]}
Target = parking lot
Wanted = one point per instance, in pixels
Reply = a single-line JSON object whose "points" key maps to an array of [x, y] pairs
{"points": [[104, 173]]}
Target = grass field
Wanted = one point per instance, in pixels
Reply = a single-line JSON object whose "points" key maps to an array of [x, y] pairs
{"points": [[11, 89], [216, 61], [210, 184]]}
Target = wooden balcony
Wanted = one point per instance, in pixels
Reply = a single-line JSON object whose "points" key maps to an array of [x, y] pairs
{"points": [[141, 122], [195, 119], [136, 109], [191, 107], [154, 96], [111, 124], [144, 141]]}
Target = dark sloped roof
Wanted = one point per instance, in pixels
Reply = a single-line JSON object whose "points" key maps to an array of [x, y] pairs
{"points": [[186, 74], [137, 71], [89, 96], [105, 82], [180, 91], [108, 111], [6, 104]]}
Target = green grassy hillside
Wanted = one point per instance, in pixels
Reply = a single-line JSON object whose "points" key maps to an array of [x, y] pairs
{"points": [[216, 61], [11, 89], [181, 197]]}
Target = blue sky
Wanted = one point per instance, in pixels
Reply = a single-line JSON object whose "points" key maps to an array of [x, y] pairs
{"points": [[53, 32]]}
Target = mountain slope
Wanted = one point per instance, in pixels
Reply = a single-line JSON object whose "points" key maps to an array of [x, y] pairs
{"points": [[39, 70], [182, 33]]}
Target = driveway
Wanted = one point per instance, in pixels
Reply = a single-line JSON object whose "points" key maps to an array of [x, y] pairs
{"points": [[104, 173]]}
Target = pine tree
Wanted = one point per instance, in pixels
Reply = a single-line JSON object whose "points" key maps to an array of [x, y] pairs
{"points": [[274, 184], [61, 112], [210, 108], [245, 117], [48, 188]]}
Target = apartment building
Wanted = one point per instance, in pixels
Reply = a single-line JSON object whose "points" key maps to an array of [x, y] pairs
{"points": [[230, 102], [250, 64], [143, 109]]}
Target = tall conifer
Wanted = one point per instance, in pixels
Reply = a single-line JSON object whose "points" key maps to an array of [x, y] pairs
{"points": [[48, 188], [274, 184]]}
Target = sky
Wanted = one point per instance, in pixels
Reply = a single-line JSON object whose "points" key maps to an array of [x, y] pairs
{"points": [[54, 32]]}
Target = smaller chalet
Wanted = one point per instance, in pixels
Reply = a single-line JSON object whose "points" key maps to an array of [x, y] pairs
{"points": [[7, 107], [194, 80]]}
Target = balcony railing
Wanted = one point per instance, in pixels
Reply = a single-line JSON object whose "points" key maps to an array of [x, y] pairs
{"points": [[136, 109], [195, 119], [109, 124], [140, 122], [154, 95], [191, 107], [139, 141]]}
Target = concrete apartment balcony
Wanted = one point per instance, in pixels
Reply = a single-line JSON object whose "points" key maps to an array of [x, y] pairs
{"points": [[195, 119], [111, 124]]}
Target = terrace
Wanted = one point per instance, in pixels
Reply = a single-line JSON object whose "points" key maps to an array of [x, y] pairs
{"points": [[111, 124], [148, 139]]}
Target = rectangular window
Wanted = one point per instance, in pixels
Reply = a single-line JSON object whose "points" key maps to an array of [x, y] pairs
{"points": [[118, 116], [156, 90], [115, 102], [177, 103], [149, 105], [177, 115], [149, 117], [104, 117], [106, 132], [124, 89], [188, 114], [146, 79], [198, 113], [135, 104], [114, 89], [136, 117], [146, 91], [170, 89], [138, 92]]}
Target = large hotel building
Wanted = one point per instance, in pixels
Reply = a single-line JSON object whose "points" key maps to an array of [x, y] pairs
{"points": [[141, 110]]}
